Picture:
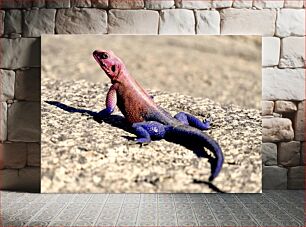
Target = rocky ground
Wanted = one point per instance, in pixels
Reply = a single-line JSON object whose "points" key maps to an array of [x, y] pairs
{"points": [[80, 154]]}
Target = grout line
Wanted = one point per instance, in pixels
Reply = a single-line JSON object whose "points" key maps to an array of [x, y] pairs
{"points": [[100, 213], [119, 212], [194, 215]]}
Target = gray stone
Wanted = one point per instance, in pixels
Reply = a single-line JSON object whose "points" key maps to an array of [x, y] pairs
{"points": [[293, 4], [20, 53], [261, 4], [27, 85], [7, 81], [208, 22], [126, 4], [13, 21], [38, 21], [293, 52], [80, 3], [191, 4], [81, 21], [242, 4], [99, 3], [274, 177], [285, 106], [24, 122], [55, 4], [248, 22], [177, 21], [138, 22], [34, 154], [159, 4], [3, 122], [2, 15], [222, 4], [14, 155], [283, 84], [15, 4], [26, 179], [269, 154], [296, 177], [38, 3], [276, 130], [267, 107], [290, 22], [270, 51], [299, 122], [289, 153], [303, 160]]}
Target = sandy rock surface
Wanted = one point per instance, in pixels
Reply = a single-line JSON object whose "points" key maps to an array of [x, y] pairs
{"points": [[80, 154]]}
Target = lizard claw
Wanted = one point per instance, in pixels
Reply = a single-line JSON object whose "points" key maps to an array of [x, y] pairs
{"points": [[207, 123]]}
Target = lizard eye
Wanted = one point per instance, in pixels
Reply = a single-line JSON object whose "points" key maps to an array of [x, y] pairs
{"points": [[113, 68], [103, 56]]}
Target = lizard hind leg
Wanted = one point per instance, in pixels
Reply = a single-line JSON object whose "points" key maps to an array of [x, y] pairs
{"points": [[147, 130], [188, 119]]}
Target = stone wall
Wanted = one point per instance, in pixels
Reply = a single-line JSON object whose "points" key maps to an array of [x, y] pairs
{"points": [[281, 22]]}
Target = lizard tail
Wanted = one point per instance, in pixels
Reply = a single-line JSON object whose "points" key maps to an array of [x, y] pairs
{"points": [[199, 138]]}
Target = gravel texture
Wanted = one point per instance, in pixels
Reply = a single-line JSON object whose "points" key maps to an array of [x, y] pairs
{"points": [[80, 154]]}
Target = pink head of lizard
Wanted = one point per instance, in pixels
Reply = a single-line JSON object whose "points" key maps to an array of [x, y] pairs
{"points": [[110, 63]]}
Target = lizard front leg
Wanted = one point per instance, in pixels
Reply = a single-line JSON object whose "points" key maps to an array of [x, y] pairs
{"points": [[110, 102], [147, 130], [188, 119]]}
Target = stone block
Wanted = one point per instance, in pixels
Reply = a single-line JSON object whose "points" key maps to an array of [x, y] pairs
{"points": [[283, 84], [99, 3], [38, 3], [192, 4], [299, 122], [293, 52], [285, 106], [277, 129], [13, 155], [38, 21], [270, 51], [261, 4], [177, 21], [267, 108], [15, 4], [3, 121], [208, 22], [20, 53], [7, 84], [80, 3], [289, 153], [26, 179], [81, 21], [56, 4], [248, 22], [296, 177], [242, 4], [221, 3], [290, 22], [269, 154], [159, 4], [24, 122], [293, 4], [27, 85], [303, 160], [13, 21], [2, 15], [133, 22], [126, 4], [274, 177], [34, 154]]}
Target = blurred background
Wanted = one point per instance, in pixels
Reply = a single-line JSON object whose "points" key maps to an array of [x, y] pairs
{"points": [[226, 69]]}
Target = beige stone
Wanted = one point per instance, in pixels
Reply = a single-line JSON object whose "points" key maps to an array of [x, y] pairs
{"points": [[80, 3], [159, 4], [293, 52], [126, 4], [274, 177], [138, 22], [34, 154], [261, 4], [208, 22], [13, 155], [7, 87], [2, 15], [24, 122], [192, 4], [248, 22], [299, 122], [27, 86], [289, 153], [285, 106], [293, 4], [242, 4], [99, 3], [270, 51], [222, 3], [296, 177], [290, 22], [55, 4], [277, 129], [269, 154], [3, 121], [177, 21], [267, 107]]}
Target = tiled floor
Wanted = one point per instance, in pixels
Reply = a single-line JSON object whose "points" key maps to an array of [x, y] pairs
{"points": [[271, 208]]}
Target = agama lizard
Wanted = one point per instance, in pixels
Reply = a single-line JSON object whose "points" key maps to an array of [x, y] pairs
{"points": [[147, 118]]}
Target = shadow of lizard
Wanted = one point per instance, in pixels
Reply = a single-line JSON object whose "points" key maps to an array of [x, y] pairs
{"points": [[120, 122]]}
